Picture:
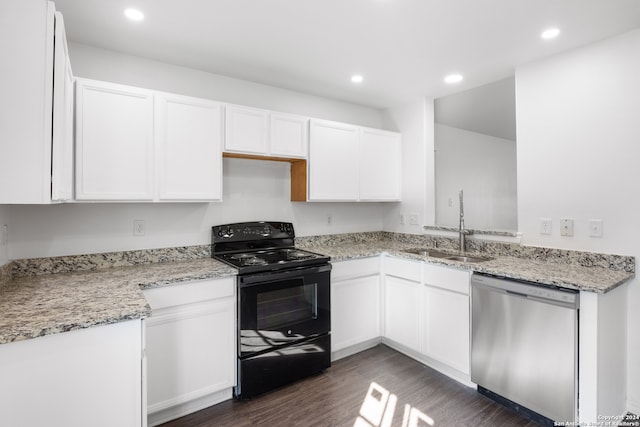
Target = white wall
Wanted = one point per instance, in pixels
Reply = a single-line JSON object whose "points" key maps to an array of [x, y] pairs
{"points": [[100, 64], [485, 168], [253, 190], [578, 154], [415, 122]]}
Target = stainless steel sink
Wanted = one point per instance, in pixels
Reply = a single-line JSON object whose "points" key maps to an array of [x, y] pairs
{"points": [[465, 258], [428, 252], [434, 253]]}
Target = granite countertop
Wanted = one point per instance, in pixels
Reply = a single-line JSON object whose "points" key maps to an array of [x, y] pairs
{"points": [[46, 304], [551, 273], [51, 295]]}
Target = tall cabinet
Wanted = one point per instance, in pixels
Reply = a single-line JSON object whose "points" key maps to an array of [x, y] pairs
{"points": [[30, 111]]}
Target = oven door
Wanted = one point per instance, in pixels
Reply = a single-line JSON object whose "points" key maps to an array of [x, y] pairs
{"points": [[280, 308]]}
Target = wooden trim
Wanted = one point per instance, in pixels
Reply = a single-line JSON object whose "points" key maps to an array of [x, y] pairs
{"points": [[298, 172]]}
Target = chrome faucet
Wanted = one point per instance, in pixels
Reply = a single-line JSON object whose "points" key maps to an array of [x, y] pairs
{"points": [[462, 232]]}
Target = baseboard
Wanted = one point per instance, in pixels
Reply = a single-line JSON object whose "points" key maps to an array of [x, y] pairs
{"points": [[452, 373], [162, 416], [353, 349]]}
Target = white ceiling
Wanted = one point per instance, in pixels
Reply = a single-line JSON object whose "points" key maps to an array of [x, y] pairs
{"points": [[403, 48]]}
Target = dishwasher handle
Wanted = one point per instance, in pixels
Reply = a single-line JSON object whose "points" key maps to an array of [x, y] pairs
{"points": [[563, 297]]}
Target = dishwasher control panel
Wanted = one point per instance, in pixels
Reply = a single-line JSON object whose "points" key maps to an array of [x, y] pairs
{"points": [[540, 292]]}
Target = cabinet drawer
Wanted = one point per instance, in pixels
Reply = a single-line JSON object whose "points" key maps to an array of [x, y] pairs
{"points": [[447, 278], [403, 268], [190, 292], [343, 270]]}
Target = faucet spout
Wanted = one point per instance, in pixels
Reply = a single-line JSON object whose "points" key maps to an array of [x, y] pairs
{"points": [[462, 232]]}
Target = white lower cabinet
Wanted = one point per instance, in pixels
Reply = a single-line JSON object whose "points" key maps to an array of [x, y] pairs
{"points": [[446, 332], [402, 302], [355, 306], [190, 341], [426, 314], [88, 377]]}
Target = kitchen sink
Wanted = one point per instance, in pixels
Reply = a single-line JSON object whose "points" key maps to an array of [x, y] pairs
{"points": [[428, 252], [434, 253], [468, 258]]}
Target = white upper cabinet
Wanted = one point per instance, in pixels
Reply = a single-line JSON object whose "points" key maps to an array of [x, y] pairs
{"points": [[351, 163], [333, 161], [62, 150], [265, 133], [380, 165], [246, 130], [114, 142], [289, 135], [28, 30], [134, 144], [188, 134]]}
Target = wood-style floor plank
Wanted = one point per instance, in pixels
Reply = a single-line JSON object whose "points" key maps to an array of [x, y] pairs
{"points": [[334, 398]]}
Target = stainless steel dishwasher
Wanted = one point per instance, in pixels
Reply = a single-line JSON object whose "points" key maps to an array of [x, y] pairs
{"points": [[524, 344]]}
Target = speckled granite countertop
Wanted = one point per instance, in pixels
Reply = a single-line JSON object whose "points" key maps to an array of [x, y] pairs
{"points": [[553, 273], [50, 295], [45, 304]]}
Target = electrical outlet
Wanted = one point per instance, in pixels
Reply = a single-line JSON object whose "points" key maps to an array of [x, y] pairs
{"points": [[595, 228], [566, 227], [545, 225], [329, 219], [138, 227], [5, 235], [413, 219], [402, 219]]}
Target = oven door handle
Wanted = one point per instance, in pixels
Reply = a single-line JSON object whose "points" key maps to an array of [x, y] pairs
{"points": [[261, 278]]}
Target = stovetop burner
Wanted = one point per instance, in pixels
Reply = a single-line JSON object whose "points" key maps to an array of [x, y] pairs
{"points": [[260, 246]]}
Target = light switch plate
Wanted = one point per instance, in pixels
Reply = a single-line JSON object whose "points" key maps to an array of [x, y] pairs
{"points": [[566, 227]]}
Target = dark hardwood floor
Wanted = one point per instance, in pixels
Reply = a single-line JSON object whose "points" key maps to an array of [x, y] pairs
{"points": [[334, 398]]}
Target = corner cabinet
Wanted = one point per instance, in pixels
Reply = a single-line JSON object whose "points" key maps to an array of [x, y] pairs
{"points": [[191, 347], [135, 144], [90, 376], [352, 163], [35, 112]]}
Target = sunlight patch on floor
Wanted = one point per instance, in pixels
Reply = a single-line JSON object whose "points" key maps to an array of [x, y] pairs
{"points": [[379, 406]]}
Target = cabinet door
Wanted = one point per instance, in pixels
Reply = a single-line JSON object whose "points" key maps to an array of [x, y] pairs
{"points": [[333, 161], [380, 165], [190, 348], [446, 333], [289, 135], [62, 150], [246, 130], [355, 308], [402, 311], [114, 142], [26, 71], [86, 377], [188, 148]]}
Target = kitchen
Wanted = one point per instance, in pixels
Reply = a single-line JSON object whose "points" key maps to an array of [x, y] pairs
{"points": [[600, 184]]}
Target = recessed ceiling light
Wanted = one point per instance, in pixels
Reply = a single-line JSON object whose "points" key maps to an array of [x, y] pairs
{"points": [[550, 33], [453, 78], [134, 14], [357, 78]]}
